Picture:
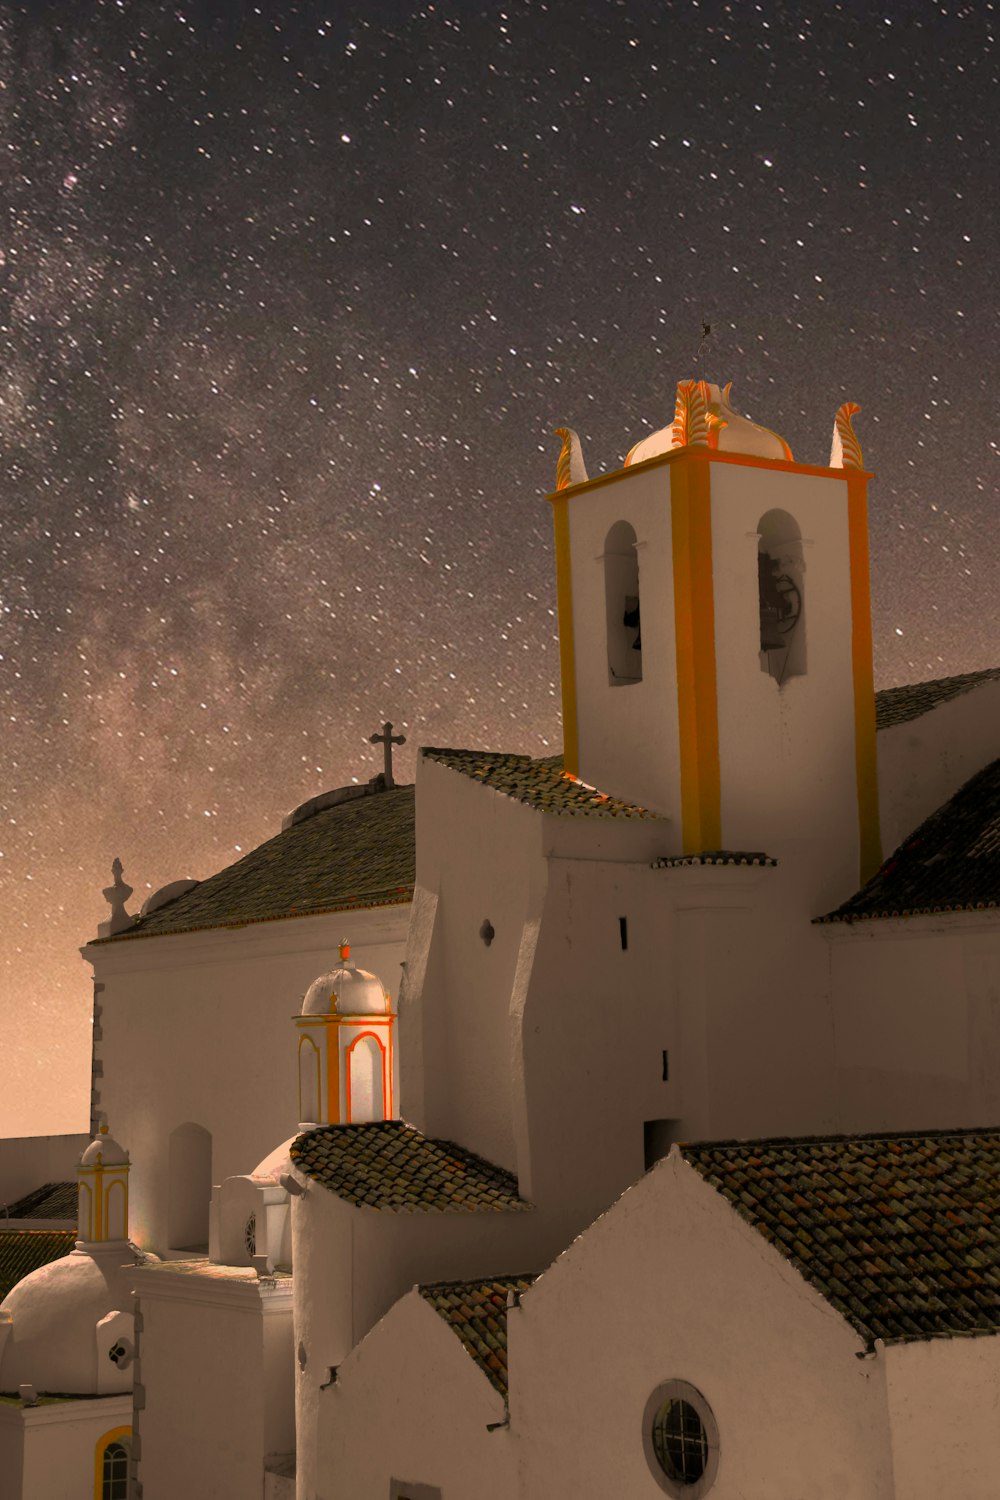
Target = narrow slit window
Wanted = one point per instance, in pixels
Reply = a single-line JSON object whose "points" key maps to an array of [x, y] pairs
{"points": [[623, 932]]}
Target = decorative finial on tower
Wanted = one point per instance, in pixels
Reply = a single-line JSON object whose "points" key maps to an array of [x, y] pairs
{"points": [[846, 450], [116, 896], [570, 467], [345, 952], [387, 739]]}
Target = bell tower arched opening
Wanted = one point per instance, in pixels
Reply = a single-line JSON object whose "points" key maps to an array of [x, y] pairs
{"points": [[781, 600], [621, 592]]}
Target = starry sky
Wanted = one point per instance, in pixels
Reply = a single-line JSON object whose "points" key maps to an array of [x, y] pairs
{"points": [[291, 297]]}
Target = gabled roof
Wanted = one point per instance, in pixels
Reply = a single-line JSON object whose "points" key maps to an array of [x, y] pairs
{"points": [[900, 1233], [897, 705], [56, 1200], [950, 863], [476, 1311], [390, 1165], [542, 784], [357, 853], [25, 1250]]}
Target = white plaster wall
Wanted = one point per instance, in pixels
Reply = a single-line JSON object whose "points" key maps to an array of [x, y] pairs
{"points": [[411, 1404], [352, 1264], [917, 1022], [627, 734], [198, 1028], [924, 762], [47, 1452], [671, 1284], [479, 856], [787, 754], [944, 1407], [216, 1368]]}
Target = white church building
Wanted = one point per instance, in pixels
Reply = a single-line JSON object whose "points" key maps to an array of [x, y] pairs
{"points": [[641, 1134]]}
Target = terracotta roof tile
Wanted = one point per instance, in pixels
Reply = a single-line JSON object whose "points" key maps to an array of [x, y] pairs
{"points": [[542, 784], [358, 853], [56, 1200], [476, 1311], [391, 1166], [897, 705], [950, 863], [900, 1233], [25, 1250]]}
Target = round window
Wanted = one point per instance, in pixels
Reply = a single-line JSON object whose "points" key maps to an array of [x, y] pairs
{"points": [[250, 1235], [681, 1440]]}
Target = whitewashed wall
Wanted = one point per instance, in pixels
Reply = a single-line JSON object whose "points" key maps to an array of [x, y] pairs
{"points": [[413, 1369], [197, 1028], [216, 1356], [944, 1407], [48, 1452], [672, 1284]]}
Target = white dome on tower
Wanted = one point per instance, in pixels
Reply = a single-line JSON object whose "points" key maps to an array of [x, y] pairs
{"points": [[104, 1151], [54, 1342], [704, 417], [346, 991]]}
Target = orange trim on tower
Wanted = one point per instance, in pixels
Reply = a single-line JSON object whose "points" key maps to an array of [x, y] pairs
{"points": [[567, 645], [865, 751], [332, 1074], [694, 621]]}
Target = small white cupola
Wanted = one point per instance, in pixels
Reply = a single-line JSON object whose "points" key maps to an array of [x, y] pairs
{"points": [[346, 1048], [102, 1186]]}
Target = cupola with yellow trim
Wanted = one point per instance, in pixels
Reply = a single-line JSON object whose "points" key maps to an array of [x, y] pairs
{"points": [[345, 1051], [102, 1190]]}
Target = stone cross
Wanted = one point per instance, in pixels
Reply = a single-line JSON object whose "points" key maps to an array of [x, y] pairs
{"points": [[387, 739]]}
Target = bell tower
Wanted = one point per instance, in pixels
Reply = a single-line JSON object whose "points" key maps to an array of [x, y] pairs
{"points": [[715, 638]]}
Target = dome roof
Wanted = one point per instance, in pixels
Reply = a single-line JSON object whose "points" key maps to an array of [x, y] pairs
{"points": [[104, 1149], [272, 1168], [346, 991], [732, 434], [52, 1343]]}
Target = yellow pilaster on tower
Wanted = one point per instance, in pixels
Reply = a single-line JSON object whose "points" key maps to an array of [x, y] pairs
{"points": [[866, 754], [694, 622]]}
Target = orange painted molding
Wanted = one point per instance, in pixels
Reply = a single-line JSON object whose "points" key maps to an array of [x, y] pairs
{"points": [[567, 644], [694, 623], [865, 749], [702, 455]]}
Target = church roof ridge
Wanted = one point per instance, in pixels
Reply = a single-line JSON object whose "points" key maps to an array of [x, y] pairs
{"points": [[950, 863], [898, 705], [356, 853], [476, 1312], [540, 783], [390, 1165], [898, 1232]]}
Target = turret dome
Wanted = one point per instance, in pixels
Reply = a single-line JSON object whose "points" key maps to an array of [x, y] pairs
{"points": [[346, 991], [104, 1151]]}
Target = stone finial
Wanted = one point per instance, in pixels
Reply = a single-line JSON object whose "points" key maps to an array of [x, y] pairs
{"points": [[116, 896]]}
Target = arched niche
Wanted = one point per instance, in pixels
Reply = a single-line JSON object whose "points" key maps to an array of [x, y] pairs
{"points": [[189, 1187], [309, 1082], [366, 1082], [621, 594], [781, 596]]}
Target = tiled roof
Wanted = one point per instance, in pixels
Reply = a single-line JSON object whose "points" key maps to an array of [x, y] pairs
{"points": [[900, 1233], [950, 863], [24, 1250], [477, 1312], [897, 705], [390, 1165], [542, 784], [355, 854], [56, 1200], [714, 857]]}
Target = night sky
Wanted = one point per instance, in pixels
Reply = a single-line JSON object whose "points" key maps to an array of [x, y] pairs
{"points": [[291, 297]]}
